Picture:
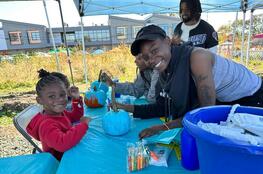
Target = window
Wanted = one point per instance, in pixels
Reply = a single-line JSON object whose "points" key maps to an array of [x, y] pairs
{"points": [[70, 37], [78, 35], [34, 37], [105, 35], [15, 38], [121, 33], [94, 35], [135, 30], [57, 38]]}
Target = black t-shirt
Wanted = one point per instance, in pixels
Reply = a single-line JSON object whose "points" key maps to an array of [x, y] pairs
{"points": [[204, 35], [180, 98]]}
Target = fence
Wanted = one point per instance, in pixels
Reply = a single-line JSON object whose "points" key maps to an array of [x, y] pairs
{"points": [[255, 51]]}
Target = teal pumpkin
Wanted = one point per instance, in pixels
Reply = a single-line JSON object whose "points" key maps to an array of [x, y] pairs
{"points": [[95, 98], [99, 86], [116, 123]]}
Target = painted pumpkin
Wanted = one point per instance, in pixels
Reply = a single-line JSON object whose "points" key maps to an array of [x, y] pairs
{"points": [[116, 123], [99, 86], [95, 98]]}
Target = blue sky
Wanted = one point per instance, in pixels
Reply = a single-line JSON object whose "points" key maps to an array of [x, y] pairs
{"points": [[33, 12]]}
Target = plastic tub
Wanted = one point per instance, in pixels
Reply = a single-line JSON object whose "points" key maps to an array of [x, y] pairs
{"points": [[189, 151], [216, 154]]}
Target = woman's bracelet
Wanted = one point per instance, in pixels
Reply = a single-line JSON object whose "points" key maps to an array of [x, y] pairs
{"points": [[166, 126]]}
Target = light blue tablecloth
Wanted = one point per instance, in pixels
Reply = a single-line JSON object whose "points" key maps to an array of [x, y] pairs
{"points": [[41, 163], [100, 153]]}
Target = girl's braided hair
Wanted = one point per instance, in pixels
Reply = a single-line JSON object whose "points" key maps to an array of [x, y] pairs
{"points": [[46, 78]]}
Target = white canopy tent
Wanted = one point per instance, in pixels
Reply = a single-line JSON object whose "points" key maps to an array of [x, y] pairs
{"points": [[109, 7]]}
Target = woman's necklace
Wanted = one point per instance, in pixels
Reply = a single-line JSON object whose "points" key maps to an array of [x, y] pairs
{"points": [[167, 99]]}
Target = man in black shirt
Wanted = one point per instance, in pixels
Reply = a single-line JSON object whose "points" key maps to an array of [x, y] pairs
{"points": [[194, 29]]}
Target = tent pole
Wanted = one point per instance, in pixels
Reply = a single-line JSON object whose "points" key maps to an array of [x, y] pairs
{"points": [[52, 37], [84, 53], [65, 41], [243, 36], [244, 9], [249, 35], [234, 35]]}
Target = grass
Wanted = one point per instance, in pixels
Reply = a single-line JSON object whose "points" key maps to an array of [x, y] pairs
{"points": [[21, 74], [6, 121], [6, 118]]}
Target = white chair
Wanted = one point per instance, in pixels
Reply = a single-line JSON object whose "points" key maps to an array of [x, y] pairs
{"points": [[21, 121]]}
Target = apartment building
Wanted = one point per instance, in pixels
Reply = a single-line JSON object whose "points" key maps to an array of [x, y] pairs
{"points": [[18, 36], [25, 37]]}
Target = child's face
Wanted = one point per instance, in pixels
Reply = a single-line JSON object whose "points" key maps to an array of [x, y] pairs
{"points": [[140, 62], [53, 98]]}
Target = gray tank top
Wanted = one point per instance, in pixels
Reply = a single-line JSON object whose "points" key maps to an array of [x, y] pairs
{"points": [[232, 80]]}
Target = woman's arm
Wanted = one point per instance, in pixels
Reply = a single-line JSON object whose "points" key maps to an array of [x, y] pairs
{"points": [[201, 68]]}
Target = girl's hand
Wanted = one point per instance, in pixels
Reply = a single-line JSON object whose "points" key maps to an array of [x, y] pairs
{"points": [[106, 79], [74, 92], [85, 120]]}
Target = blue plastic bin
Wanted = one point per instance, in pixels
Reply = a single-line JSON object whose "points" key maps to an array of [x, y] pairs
{"points": [[219, 155], [189, 151]]}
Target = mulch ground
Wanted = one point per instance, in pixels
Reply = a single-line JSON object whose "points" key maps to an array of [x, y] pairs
{"points": [[12, 143]]}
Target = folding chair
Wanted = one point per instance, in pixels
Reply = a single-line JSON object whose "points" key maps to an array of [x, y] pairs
{"points": [[21, 121]]}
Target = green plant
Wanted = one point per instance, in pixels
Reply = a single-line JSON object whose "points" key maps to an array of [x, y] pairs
{"points": [[22, 73], [5, 120]]}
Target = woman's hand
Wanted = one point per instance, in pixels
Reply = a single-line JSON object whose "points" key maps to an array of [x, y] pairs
{"points": [[150, 131], [163, 127], [127, 108]]}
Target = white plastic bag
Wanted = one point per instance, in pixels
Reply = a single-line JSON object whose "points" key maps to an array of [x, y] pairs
{"points": [[159, 155]]}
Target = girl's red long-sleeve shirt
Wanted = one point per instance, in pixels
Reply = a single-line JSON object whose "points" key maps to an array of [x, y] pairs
{"points": [[56, 133]]}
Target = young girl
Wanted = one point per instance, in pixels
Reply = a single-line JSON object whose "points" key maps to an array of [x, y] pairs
{"points": [[65, 80], [53, 126], [144, 84]]}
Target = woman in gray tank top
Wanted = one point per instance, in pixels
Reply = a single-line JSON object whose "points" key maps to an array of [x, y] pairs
{"points": [[192, 77], [234, 83]]}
